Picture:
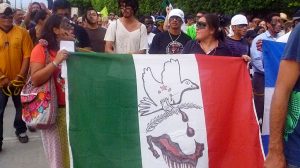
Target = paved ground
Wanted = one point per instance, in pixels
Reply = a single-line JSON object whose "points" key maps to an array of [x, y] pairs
{"points": [[15, 154]]}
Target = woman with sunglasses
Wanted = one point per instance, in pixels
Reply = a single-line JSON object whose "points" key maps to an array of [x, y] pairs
{"points": [[209, 38], [56, 29]]}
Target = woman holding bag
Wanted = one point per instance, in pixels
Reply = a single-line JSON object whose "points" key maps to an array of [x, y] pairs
{"points": [[45, 63]]}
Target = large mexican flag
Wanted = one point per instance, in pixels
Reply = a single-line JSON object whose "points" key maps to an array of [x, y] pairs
{"points": [[161, 111]]}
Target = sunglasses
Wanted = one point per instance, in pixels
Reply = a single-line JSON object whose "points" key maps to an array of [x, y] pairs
{"points": [[241, 26], [201, 25], [175, 18]]}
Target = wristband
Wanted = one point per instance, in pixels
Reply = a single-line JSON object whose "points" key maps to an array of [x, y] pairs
{"points": [[55, 64]]}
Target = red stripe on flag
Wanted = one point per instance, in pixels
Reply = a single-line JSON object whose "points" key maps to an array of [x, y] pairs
{"points": [[232, 129]]}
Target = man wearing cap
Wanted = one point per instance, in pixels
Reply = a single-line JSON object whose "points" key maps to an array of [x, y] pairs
{"points": [[237, 44], [274, 24], [173, 40], [159, 23], [111, 17], [296, 20], [15, 49]]}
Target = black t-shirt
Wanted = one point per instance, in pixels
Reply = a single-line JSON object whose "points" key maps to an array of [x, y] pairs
{"points": [[81, 36], [166, 43], [156, 31], [237, 47], [193, 47], [97, 38]]}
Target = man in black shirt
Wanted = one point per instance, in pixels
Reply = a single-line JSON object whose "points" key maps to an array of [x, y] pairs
{"points": [[173, 40]]}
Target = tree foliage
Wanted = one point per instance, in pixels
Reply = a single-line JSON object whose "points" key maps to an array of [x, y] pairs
{"points": [[253, 7]]}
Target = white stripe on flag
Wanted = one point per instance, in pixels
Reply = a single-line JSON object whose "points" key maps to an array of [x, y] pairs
{"points": [[158, 78], [268, 98]]}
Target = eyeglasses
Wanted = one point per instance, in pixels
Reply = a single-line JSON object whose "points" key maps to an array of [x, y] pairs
{"points": [[241, 26], [6, 16], [201, 25], [175, 18]]}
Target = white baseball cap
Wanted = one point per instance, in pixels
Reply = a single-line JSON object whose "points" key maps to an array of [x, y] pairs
{"points": [[238, 20], [3, 7], [177, 12]]}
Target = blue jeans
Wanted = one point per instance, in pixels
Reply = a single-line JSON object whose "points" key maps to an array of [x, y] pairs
{"points": [[19, 124]]}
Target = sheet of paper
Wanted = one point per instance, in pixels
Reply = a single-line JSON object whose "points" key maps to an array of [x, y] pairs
{"points": [[69, 46]]}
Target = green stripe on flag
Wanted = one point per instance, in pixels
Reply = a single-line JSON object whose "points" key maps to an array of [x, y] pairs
{"points": [[103, 130]]}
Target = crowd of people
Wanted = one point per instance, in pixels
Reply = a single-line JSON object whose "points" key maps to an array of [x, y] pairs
{"points": [[28, 39]]}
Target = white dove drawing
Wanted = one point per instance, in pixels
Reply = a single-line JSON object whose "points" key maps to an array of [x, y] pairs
{"points": [[170, 88]]}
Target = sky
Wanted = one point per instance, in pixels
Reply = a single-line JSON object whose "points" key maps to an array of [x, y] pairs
{"points": [[24, 3]]}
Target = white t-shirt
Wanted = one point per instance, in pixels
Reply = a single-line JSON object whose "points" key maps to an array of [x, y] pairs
{"points": [[150, 39], [284, 38], [125, 41]]}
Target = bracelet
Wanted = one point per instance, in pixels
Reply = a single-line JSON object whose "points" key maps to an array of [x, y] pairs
{"points": [[55, 64], [21, 76], [2, 77]]}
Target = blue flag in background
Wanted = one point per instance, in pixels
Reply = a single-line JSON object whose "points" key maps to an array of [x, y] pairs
{"points": [[272, 52]]}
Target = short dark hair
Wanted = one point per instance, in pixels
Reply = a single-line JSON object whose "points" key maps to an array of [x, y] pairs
{"points": [[269, 17], [189, 16], [86, 14], [54, 21], [132, 3], [142, 20], [40, 15], [91, 9], [17, 10], [61, 4]]}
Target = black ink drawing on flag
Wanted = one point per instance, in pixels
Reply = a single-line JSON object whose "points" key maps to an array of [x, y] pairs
{"points": [[166, 96]]}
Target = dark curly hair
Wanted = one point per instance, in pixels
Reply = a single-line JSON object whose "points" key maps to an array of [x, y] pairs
{"points": [[132, 3]]}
